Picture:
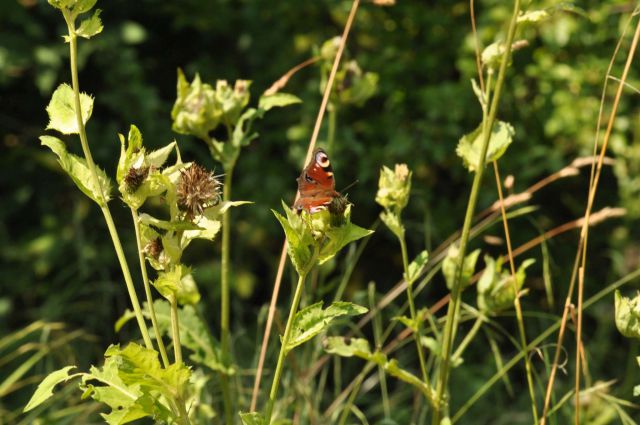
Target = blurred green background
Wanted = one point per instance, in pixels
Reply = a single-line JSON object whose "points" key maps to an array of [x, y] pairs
{"points": [[57, 262]]}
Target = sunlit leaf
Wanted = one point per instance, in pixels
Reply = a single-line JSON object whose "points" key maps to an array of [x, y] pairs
{"points": [[45, 388], [62, 110], [277, 100], [627, 315], [469, 147], [312, 320], [415, 267], [252, 418], [90, 26], [347, 347], [79, 171]]}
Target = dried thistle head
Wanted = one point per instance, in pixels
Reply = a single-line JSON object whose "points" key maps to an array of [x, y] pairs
{"points": [[197, 189], [154, 248], [135, 177]]}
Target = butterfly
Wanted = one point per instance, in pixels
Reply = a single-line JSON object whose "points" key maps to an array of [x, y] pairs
{"points": [[317, 186]]}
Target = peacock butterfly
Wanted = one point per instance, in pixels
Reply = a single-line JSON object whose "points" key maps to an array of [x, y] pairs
{"points": [[317, 186]]}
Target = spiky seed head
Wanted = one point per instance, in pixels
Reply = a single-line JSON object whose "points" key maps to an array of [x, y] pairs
{"points": [[197, 189]]}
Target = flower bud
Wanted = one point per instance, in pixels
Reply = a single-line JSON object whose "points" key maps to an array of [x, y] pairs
{"points": [[196, 110], [496, 290], [394, 188], [232, 100], [628, 315]]}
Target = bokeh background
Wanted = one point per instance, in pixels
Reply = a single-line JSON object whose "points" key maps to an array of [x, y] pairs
{"points": [[57, 262]]}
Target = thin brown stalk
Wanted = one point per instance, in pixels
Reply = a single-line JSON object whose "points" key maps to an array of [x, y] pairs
{"points": [[582, 244], [312, 144], [281, 82]]}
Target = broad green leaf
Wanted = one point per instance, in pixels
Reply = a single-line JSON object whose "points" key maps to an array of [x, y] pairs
{"points": [[450, 266], [158, 157], [168, 225], [83, 6], [79, 171], [114, 392], [252, 418], [140, 366], [392, 221], [208, 229], [277, 100], [62, 110], [194, 335], [312, 320], [470, 145], [178, 282], [415, 267], [90, 26], [45, 388], [300, 242], [131, 152], [347, 347], [339, 237], [627, 314]]}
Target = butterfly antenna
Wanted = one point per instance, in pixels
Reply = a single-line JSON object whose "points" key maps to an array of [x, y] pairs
{"points": [[350, 185]]}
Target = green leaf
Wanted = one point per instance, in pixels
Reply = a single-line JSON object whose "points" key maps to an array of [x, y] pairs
{"points": [[90, 26], [252, 418], [62, 110], [409, 322], [339, 237], [207, 229], [277, 100], [627, 315], [300, 242], [392, 221], [83, 6], [312, 320], [450, 266], [194, 335], [178, 282], [347, 347], [45, 388], [168, 225], [79, 171], [533, 16], [416, 266], [158, 157], [470, 145]]}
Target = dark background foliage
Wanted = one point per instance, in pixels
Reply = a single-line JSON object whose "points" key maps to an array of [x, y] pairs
{"points": [[58, 263]]}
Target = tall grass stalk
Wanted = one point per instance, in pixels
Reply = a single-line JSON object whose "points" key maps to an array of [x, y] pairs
{"points": [[104, 207], [454, 305]]}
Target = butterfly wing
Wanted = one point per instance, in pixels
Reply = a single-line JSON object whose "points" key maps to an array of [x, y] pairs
{"points": [[316, 184]]}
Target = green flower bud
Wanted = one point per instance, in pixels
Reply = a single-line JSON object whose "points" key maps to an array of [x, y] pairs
{"points": [[394, 188], [450, 266], [628, 315], [196, 111], [232, 100], [496, 290]]}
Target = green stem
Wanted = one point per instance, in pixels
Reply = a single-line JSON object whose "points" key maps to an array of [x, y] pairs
{"points": [[454, 304], [224, 295], [175, 330], [377, 334], [285, 341], [147, 290], [73, 54], [468, 338], [412, 309], [354, 393]]}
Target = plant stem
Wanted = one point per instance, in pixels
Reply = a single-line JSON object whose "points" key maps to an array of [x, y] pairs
{"points": [[468, 338], [147, 289], [412, 308], [73, 54], [377, 334], [175, 330], [285, 340], [354, 393], [224, 294], [454, 305]]}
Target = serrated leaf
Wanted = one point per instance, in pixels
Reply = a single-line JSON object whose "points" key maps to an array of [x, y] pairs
{"points": [[207, 229], [312, 320], [299, 242], [416, 266], [168, 225], [252, 418], [79, 171], [90, 26], [277, 100], [470, 145], [62, 110], [158, 157], [178, 282], [45, 388], [347, 347], [339, 237], [194, 335]]}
